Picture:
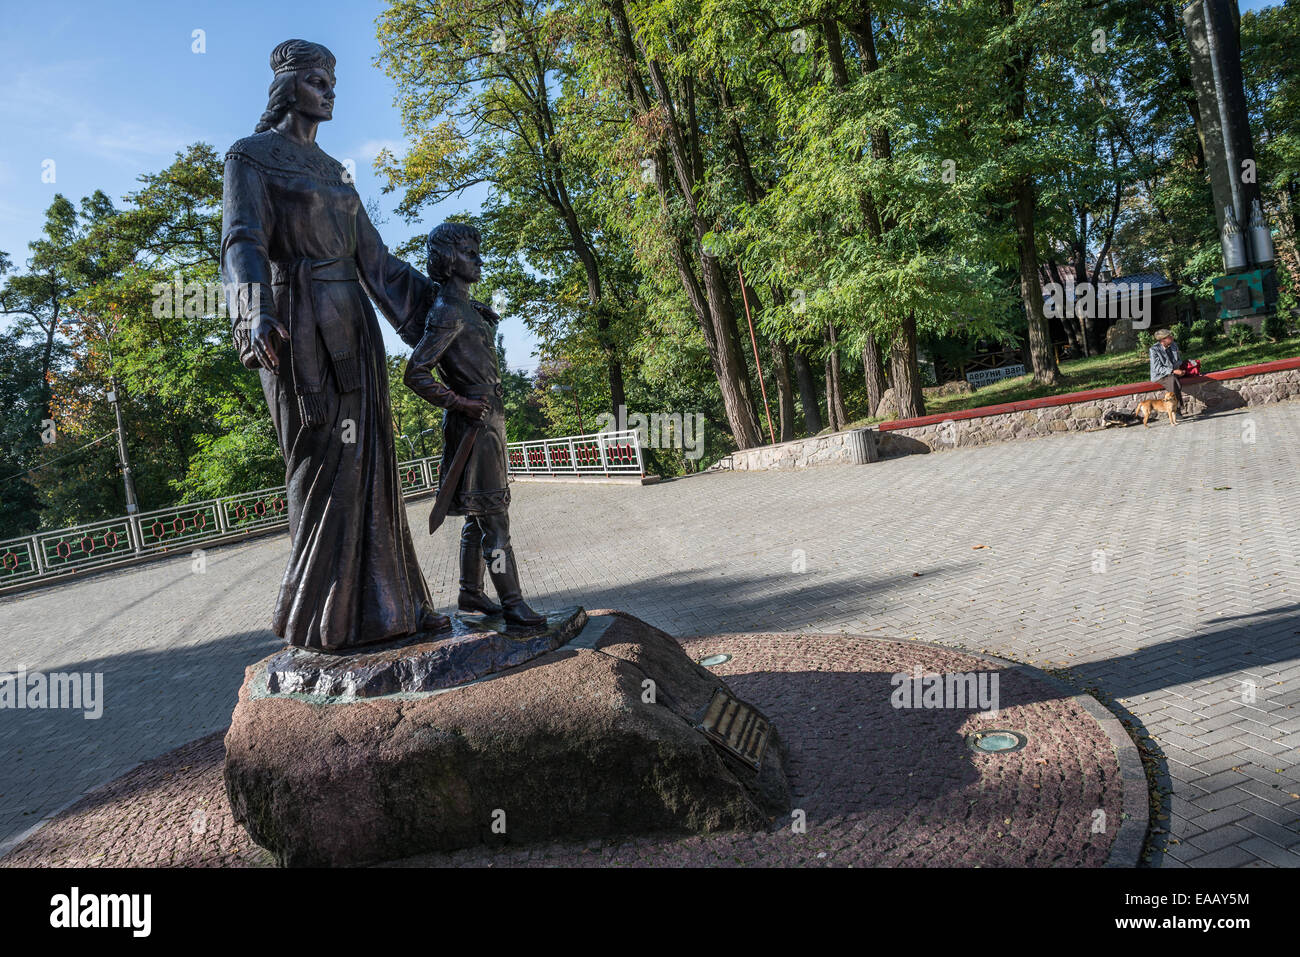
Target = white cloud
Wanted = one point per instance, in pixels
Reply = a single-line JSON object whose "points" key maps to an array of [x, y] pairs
{"points": [[124, 140], [33, 101], [372, 148]]}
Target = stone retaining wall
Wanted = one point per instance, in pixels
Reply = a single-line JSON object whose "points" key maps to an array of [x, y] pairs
{"points": [[1201, 394], [853, 447], [1216, 392]]}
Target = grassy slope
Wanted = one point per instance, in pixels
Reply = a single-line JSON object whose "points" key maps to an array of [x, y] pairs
{"points": [[1100, 371]]}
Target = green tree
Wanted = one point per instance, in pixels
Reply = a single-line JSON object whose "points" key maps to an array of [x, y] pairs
{"points": [[161, 316], [22, 393], [479, 89]]}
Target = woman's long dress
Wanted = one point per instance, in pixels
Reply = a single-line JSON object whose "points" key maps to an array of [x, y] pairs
{"points": [[297, 243]]}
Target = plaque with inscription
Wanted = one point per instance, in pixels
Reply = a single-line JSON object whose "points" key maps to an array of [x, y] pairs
{"points": [[736, 727]]}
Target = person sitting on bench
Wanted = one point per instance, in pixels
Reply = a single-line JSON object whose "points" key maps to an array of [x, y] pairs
{"points": [[1168, 366]]}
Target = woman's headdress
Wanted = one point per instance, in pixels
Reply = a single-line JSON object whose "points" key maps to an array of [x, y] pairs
{"points": [[294, 55]]}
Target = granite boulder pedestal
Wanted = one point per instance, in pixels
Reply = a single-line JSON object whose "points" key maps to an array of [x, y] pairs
{"points": [[588, 727]]}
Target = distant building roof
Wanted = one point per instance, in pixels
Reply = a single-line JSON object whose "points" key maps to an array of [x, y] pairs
{"points": [[1154, 279], [1158, 282]]}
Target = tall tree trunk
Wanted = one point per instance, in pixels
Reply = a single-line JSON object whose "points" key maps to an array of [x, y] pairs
{"points": [[1086, 323], [812, 415], [784, 392], [679, 167], [47, 360], [781, 363], [1022, 193], [733, 380], [1100, 328], [904, 371], [834, 396], [556, 191], [833, 419], [1031, 289], [862, 29], [874, 370], [617, 394]]}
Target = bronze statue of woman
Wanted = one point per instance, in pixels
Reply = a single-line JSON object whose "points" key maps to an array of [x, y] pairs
{"points": [[299, 257]]}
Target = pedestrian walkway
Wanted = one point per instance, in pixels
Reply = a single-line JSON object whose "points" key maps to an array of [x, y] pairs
{"points": [[1157, 566]]}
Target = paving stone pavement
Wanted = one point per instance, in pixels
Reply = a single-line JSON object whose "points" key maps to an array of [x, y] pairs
{"points": [[1155, 565]]}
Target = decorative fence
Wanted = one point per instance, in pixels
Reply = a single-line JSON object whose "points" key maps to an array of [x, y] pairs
{"points": [[80, 547], [601, 453]]}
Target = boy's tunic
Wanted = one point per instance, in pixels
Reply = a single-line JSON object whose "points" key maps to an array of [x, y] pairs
{"points": [[460, 342]]}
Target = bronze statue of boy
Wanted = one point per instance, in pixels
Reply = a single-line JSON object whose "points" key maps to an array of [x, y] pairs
{"points": [[460, 343]]}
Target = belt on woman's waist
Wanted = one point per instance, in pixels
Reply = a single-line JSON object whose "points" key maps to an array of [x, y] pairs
{"points": [[326, 270], [475, 391], [309, 327]]}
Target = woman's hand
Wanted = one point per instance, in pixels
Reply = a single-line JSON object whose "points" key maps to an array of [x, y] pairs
{"points": [[266, 334]]}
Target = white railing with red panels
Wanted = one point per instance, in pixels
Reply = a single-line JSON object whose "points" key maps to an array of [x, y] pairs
{"points": [[115, 540], [600, 453]]}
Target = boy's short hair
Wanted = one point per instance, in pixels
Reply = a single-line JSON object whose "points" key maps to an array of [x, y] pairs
{"points": [[439, 247]]}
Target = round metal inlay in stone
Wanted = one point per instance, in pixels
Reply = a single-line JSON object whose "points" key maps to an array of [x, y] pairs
{"points": [[996, 742], [713, 660]]}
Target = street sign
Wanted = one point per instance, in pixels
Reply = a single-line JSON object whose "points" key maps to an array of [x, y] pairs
{"points": [[984, 376]]}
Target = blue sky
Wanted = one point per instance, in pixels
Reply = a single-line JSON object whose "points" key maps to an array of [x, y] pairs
{"points": [[110, 91]]}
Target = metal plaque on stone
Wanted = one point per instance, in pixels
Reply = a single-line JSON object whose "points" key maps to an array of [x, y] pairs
{"points": [[738, 728]]}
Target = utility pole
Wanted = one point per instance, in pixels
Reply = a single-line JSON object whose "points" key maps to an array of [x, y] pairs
{"points": [[132, 506], [106, 330]]}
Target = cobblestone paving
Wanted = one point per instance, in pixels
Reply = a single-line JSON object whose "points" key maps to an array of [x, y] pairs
{"points": [[829, 698], [1155, 565]]}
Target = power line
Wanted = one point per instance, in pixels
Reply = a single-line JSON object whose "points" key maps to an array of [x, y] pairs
{"points": [[59, 458]]}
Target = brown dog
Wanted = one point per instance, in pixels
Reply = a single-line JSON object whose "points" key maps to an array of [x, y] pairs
{"points": [[1150, 406]]}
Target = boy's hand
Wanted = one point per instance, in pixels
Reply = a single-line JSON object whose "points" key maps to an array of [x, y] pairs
{"points": [[485, 311], [470, 408]]}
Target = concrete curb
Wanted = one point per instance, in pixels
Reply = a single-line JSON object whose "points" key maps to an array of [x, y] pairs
{"points": [[589, 479], [1126, 851]]}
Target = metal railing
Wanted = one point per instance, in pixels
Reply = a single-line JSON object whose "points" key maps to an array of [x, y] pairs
{"points": [[114, 540], [600, 453]]}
